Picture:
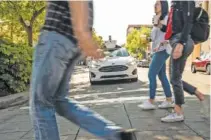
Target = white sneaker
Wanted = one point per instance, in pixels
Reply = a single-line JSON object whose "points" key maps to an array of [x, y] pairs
{"points": [[147, 105], [166, 104], [173, 117]]}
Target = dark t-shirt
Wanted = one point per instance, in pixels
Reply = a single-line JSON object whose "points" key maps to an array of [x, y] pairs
{"points": [[58, 18]]}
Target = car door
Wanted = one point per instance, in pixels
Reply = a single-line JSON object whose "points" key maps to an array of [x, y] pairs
{"points": [[204, 62], [197, 63], [200, 62]]}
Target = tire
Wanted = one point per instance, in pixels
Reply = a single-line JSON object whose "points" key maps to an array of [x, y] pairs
{"points": [[193, 69], [208, 69], [134, 80]]}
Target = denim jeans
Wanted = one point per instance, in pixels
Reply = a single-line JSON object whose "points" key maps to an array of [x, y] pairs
{"points": [[158, 67], [190, 89], [177, 68], [54, 60]]}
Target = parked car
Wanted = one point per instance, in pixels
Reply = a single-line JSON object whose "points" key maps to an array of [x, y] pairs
{"points": [[116, 66], [202, 63], [144, 62]]}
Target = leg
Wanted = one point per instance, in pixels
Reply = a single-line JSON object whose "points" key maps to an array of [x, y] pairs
{"points": [[163, 78], [152, 77], [186, 86], [81, 115], [47, 73], [156, 65], [189, 88], [177, 68]]}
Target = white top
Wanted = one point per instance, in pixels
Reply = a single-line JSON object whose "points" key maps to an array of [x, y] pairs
{"points": [[158, 36]]}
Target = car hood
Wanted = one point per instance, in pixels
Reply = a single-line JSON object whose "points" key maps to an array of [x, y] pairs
{"points": [[115, 61]]}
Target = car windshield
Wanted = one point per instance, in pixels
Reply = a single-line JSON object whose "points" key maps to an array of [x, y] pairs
{"points": [[120, 53]]}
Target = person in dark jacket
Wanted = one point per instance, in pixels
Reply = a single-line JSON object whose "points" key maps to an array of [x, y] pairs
{"points": [[178, 31]]}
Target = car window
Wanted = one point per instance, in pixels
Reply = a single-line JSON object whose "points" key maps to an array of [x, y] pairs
{"points": [[125, 53], [203, 56], [208, 56], [120, 53], [114, 53]]}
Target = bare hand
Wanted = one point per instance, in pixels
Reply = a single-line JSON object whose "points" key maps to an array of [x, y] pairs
{"points": [[177, 52], [94, 53], [155, 49], [164, 43]]}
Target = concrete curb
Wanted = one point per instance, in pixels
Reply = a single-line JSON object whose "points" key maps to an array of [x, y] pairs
{"points": [[14, 100]]}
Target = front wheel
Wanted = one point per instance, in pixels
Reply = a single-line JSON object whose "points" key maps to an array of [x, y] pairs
{"points": [[193, 69], [208, 69]]}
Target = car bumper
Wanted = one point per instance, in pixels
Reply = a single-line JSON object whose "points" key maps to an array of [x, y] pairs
{"points": [[96, 75]]}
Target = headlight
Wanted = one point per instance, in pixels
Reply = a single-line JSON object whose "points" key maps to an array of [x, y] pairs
{"points": [[94, 64], [131, 63]]}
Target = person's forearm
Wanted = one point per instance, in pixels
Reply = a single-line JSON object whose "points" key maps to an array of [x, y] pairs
{"points": [[79, 12], [188, 18], [185, 33]]}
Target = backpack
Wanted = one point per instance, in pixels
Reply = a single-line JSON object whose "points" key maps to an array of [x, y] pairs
{"points": [[201, 28]]}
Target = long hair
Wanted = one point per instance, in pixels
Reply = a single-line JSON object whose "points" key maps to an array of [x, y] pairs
{"points": [[164, 9]]}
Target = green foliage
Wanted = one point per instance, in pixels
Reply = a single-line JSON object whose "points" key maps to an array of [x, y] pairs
{"points": [[137, 41], [98, 39], [22, 20], [15, 67]]}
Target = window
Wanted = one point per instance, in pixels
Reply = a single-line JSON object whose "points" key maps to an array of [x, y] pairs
{"points": [[120, 53]]}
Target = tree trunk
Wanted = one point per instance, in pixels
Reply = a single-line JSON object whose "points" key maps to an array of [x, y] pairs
{"points": [[30, 36]]}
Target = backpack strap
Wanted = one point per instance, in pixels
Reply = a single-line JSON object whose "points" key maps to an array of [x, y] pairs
{"points": [[198, 17]]}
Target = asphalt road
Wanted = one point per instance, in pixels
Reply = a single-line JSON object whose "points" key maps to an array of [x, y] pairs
{"points": [[117, 101]]}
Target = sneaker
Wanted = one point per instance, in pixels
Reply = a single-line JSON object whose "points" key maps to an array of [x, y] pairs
{"points": [[173, 117], [147, 105], [166, 104], [127, 134]]}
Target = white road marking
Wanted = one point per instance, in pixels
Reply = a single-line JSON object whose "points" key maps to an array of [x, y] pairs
{"points": [[107, 93], [25, 108]]}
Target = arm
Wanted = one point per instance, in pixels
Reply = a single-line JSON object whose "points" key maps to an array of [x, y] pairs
{"points": [[188, 13], [163, 24], [80, 15]]}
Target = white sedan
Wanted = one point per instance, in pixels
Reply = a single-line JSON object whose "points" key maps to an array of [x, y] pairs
{"points": [[118, 65]]}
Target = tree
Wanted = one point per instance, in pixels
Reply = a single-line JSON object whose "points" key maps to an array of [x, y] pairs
{"points": [[98, 39], [23, 17], [137, 41]]}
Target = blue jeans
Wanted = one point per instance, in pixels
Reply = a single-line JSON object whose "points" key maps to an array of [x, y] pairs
{"points": [[54, 60], [158, 67]]}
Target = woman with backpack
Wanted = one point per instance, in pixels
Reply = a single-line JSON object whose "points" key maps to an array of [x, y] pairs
{"points": [[180, 30], [161, 53]]}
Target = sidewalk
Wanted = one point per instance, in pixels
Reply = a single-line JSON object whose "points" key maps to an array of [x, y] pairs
{"points": [[15, 123]]}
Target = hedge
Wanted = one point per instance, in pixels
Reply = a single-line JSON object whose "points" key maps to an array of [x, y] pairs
{"points": [[15, 68]]}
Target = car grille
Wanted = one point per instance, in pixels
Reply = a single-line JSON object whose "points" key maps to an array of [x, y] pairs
{"points": [[113, 68], [114, 76]]}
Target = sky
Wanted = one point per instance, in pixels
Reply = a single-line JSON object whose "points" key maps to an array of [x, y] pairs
{"points": [[112, 17]]}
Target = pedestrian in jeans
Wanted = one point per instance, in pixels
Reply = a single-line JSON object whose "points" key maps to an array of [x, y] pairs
{"points": [[67, 26], [161, 53], [178, 32]]}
